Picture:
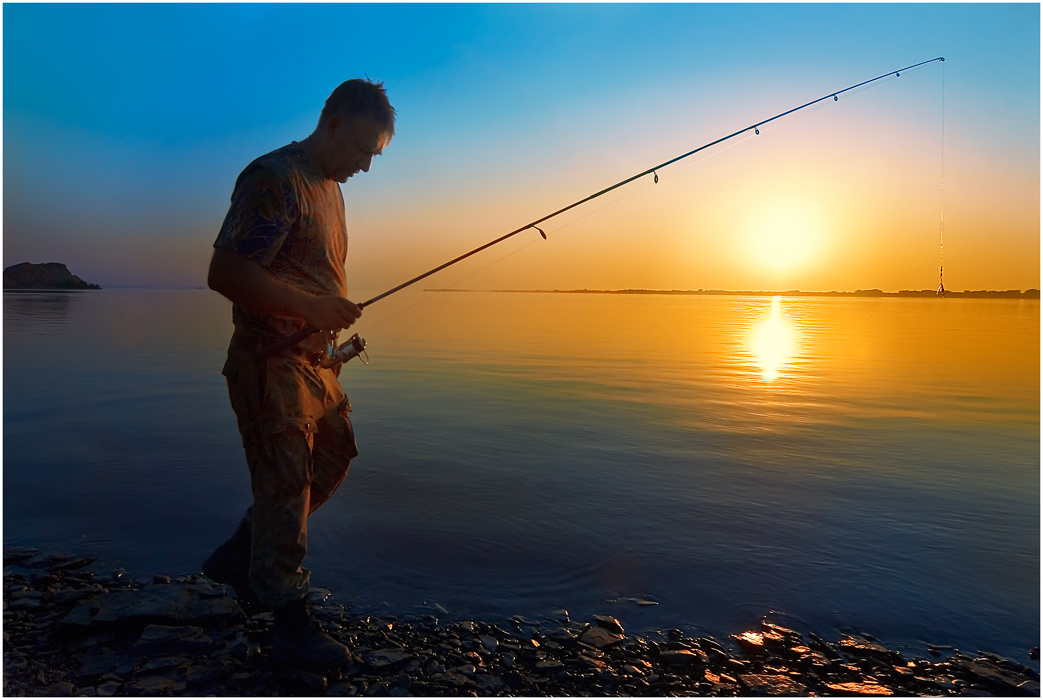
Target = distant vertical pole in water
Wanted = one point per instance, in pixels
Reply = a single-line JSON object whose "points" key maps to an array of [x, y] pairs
{"points": [[941, 205]]}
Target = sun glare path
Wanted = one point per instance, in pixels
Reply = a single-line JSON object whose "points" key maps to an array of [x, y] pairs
{"points": [[773, 342]]}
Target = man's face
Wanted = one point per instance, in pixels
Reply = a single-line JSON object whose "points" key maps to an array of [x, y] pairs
{"points": [[351, 146]]}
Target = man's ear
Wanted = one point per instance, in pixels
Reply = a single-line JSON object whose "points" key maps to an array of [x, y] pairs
{"points": [[332, 123]]}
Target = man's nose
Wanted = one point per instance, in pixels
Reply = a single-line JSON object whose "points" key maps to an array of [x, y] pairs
{"points": [[365, 163]]}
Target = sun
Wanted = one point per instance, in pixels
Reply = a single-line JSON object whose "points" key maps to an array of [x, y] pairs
{"points": [[784, 235]]}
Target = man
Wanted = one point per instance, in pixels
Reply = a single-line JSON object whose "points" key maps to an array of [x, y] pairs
{"points": [[279, 258]]}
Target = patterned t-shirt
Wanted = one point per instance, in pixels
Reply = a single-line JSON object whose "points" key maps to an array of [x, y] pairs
{"points": [[286, 216]]}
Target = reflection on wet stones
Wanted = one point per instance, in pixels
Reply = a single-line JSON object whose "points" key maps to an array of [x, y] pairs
{"points": [[68, 635]]}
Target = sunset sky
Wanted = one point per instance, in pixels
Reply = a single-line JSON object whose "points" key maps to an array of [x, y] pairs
{"points": [[126, 125]]}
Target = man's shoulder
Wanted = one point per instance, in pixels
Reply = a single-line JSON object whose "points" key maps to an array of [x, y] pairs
{"points": [[279, 163]]}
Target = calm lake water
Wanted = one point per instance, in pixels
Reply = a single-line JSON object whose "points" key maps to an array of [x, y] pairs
{"points": [[868, 464]]}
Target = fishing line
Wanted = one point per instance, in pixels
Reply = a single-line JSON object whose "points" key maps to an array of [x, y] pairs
{"points": [[308, 331], [941, 205]]}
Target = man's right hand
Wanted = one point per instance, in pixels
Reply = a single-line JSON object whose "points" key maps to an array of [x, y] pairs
{"points": [[252, 287], [331, 313]]}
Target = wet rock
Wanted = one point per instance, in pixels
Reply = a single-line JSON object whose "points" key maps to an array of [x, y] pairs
{"points": [[489, 684], [58, 562], [155, 604], [858, 688], [861, 647], [683, 658], [302, 682], [153, 685], [385, 659], [130, 653], [760, 684], [609, 623], [97, 664], [751, 642], [108, 689], [601, 638], [164, 639], [988, 674], [488, 643], [549, 665], [14, 555], [63, 689]]}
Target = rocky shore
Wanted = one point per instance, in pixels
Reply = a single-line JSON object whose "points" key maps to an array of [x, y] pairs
{"points": [[69, 630]]}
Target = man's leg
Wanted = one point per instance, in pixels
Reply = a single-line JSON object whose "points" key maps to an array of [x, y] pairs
{"points": [[281, 482], [230, 562], [282, 486], [333, 450]]}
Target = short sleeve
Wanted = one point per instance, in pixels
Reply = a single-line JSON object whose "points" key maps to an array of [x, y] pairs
{"points": [[263, 210]]}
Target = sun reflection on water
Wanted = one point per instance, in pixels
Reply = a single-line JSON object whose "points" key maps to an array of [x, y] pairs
{"points": [[773, 342]]}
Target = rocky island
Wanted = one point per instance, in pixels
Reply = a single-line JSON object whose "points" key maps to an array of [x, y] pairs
{"points": [[43, 276], [73, 627]]}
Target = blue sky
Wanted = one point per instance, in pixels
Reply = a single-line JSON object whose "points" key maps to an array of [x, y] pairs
{"points": [[125, 126]]}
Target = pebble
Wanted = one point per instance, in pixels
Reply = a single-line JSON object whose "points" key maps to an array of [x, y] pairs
{"points": [[68, 634]]}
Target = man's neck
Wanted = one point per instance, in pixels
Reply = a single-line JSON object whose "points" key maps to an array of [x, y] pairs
{"points": [[313, 152]]}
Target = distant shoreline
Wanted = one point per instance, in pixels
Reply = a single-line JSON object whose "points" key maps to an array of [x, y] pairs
{"points": [[905, 293]]}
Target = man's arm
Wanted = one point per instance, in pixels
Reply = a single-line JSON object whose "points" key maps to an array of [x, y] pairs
{"points": [[252, 287]]}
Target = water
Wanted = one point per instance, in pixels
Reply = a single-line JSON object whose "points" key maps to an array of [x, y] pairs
{"points": [[837, 463]]}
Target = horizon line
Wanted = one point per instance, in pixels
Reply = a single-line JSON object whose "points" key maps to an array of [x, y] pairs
{"points": [[1031, 292]]}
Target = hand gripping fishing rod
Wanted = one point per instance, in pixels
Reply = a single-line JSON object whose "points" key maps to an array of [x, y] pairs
{"points": [[308, 331]]}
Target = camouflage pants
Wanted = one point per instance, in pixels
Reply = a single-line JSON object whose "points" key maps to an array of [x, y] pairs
{"points": [[293, 419]]}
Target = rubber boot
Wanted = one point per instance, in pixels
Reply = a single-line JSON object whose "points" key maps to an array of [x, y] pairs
{"points": [[300, 642], [230, 564]]}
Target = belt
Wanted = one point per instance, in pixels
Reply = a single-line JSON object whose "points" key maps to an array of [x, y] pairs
{"points": [[243, 342]]}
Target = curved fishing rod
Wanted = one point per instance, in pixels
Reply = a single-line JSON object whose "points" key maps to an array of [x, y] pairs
{"points": [[309, 331]]}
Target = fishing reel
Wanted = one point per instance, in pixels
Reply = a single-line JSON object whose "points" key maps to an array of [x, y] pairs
{"points": [[354, 347]]}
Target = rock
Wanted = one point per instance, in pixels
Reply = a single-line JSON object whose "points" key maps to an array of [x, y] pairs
{"points": [[455, 680], [163, 663], [855, 688], [489, 684], [13, 555], [153, 685], [609, 623], [682, 657], [164, 639], [760, 684], [751, 642], [549, 665], [213, 671], [43, 276], [304, 682], [1033, 653], [64, 689], [108, 689], [601, 638], [97, 664], [385, 659], [317, 596], [155, 604], [861, 647], [987, 673], [1030, 688], [488, 643], [160, 579], [790, 638]]}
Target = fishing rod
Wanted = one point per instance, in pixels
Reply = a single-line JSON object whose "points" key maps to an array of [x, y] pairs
{"points": [[309, 331]]}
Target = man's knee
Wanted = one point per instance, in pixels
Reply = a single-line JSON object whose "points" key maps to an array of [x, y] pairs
{"points": [[287, 465]]}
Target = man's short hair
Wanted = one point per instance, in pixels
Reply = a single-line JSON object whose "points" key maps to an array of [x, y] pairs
{"points": [[361, 98]]}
